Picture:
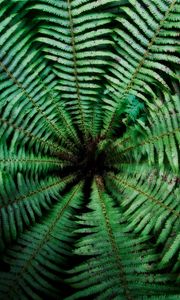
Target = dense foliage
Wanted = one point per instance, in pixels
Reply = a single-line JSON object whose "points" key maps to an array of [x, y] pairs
{"points": [[89, 149]]}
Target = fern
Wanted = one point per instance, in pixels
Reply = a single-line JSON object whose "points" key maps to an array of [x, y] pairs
{"points": [[89, 149]]}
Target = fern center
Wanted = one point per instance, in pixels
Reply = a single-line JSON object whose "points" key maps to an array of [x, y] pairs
{"points": [[91, 161]]}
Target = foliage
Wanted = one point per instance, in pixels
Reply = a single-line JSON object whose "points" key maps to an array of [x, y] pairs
{"points": [[89, 149]]}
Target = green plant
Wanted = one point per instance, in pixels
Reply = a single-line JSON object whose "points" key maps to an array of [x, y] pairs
{"points": [[89, 149]]}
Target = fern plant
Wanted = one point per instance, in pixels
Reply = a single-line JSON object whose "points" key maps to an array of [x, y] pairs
{"points": [[89, 149]]}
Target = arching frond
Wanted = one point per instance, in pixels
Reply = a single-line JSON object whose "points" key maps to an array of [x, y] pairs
{"points": [[25, 86], [24, 162], [150, 205], [32, 271], [158, 140], [146, 41], [76, 38], [29, 198], [120, 264]]}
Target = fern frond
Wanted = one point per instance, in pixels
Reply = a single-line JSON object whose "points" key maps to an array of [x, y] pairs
{"points": [[21, 84], [24, 162], [145, 45], [158, 140], [44, 247], [68, 47], [150, 205], [19, 135], [28, 201], [115, 256]]}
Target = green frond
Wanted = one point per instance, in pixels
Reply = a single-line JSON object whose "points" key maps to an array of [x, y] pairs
{"points": [[115, 256], [24, 162], [25, 86], [20, 135], [68, 47], [30, 197], [158, 140], [143, 51], [150, 205], [43, 253]]}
